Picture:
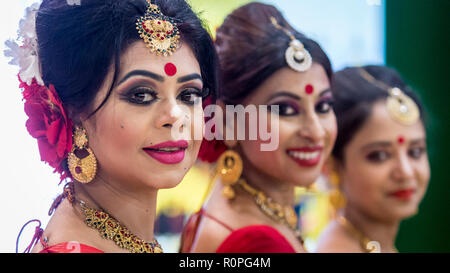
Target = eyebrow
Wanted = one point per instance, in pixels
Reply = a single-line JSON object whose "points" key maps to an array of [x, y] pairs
{"points": [[419, 140], [294, 96], [144, 73], [284, 94], [325, 92], [377, 144], [389, 144], [190, 77]]}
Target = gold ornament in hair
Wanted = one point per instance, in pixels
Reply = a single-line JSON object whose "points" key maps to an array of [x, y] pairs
{"points": [[400, 106], [297, 57], [159, 32], [81, 160]]}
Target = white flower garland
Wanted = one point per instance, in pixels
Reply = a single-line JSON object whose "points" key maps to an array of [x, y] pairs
{"points": [[26, 56]]}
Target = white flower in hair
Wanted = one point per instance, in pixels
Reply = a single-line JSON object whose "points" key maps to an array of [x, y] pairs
{"points": [[26, 56]]}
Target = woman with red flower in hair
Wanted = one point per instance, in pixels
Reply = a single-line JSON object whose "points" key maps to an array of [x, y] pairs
{"points": [[264, 62], [105, 84]]}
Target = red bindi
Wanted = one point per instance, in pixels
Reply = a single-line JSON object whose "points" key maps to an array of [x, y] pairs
{"points": [[401, 140], [309, 89], [170, 69]]}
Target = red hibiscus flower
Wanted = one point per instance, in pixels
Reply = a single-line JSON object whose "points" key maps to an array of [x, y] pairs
{"points": [[48, 123]]}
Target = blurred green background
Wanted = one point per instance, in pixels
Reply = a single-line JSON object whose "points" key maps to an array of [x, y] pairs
{"points": [[418, 46]]}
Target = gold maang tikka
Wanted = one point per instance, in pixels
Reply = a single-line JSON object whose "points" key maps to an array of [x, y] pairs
{"points": [[297, 57], [159, 32], [400, 106]]}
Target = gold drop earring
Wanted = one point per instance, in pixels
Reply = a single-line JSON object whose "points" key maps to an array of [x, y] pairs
{"points": [[229, 168], [337, 199], [82, 162]]}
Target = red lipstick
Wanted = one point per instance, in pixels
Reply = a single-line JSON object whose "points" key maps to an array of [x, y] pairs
{"points": [[403, 194], [170, 152], [306, 156]]}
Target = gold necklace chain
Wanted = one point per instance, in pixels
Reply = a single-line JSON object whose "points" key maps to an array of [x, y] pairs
{"points": [[280, 214], [110, 228], [364, 241]]}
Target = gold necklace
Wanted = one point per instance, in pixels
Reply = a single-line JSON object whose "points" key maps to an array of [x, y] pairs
{"points": [[110, 228], [280, 214], [364, 241]]}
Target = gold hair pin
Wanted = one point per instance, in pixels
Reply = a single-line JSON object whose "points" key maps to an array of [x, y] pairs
{"points": [[297, 57], [159, 32]]}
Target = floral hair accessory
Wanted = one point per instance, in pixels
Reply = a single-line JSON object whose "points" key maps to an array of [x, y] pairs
{"points": [[48, 123], [26, 56], [47, 119]]}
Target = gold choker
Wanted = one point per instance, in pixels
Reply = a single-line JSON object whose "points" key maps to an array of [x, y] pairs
{"points": [[281, 214], [110, 228]]}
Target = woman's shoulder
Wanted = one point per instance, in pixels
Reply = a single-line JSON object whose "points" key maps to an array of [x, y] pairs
{"points": [[256, 239], [66, 232], [204, 232]]}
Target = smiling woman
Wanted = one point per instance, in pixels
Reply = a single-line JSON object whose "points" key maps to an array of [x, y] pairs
{"points": [[264, 62], [118, 76], [383, 174]]}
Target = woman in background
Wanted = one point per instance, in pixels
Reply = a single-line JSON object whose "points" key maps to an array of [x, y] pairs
{"points": [[264, 62], [380, 160]]}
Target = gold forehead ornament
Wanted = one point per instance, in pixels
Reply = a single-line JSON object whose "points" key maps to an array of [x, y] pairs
{"points": [[400, 106], [159, 32], [297, 57]]}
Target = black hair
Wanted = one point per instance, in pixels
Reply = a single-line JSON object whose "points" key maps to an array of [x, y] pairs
{"points": [[354, 97], [78, 43], [251, 49]]}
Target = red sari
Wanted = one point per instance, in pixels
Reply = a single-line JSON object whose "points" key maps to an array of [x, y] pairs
{"points": [[249, 239], [70, 247]]}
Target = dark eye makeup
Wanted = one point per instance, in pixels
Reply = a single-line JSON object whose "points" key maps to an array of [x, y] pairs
{"points": [[192, 95], [289, 108], [416, 152], [325, 105], [147, 96], [285, 108], [140, 96], [378, 156]]}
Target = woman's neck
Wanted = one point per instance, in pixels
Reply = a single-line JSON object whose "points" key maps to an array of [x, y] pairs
{"points": [[375, 230], [134, 208], [280, 191]]}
